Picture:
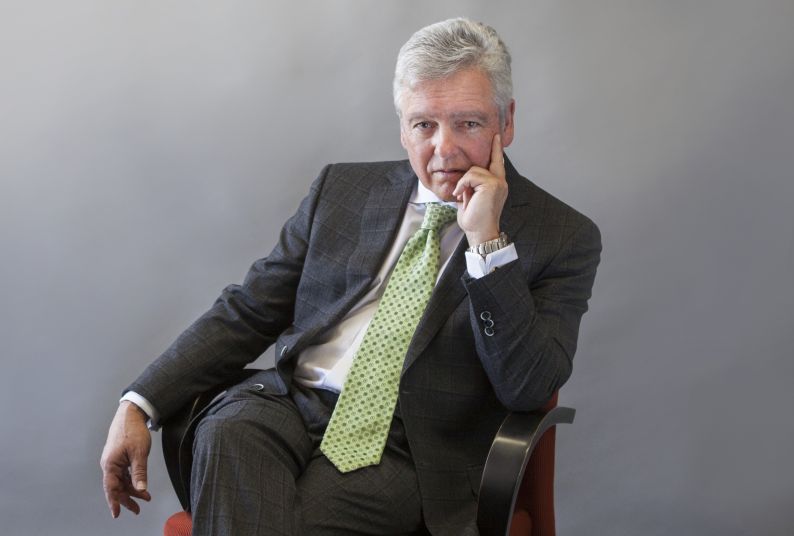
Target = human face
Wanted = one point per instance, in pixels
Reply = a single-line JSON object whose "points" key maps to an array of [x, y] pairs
{"points": [[448, 125]]}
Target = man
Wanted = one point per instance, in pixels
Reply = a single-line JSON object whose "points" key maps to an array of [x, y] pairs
{"points": [[431, 332]]}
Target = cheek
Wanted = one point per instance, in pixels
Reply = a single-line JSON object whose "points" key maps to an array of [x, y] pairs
{"points": [[420, 152], [479, 151]]}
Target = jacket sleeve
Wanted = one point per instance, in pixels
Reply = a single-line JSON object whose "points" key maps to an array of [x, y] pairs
{"points": [[242, 323], [526, 326]]}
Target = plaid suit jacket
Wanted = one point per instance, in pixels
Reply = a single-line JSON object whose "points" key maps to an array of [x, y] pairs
{"points": [[459, 380]]}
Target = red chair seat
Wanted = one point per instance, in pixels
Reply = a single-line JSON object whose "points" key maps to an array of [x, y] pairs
{"points": [[178, 524]]}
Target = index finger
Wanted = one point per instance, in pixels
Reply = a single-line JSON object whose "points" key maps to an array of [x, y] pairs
{"points": [[112, 485], [497, 165]]}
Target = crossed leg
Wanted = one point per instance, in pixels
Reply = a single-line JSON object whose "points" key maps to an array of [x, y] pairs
{"points": [[258, 470]]}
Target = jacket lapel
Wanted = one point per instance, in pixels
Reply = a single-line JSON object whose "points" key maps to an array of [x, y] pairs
{"points": [[380, 218]]}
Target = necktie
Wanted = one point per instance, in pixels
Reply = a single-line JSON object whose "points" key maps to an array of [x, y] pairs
{"points": [[357, 432]]}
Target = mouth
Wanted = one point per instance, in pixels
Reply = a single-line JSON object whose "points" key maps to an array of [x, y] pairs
{"points": [[448, 174]]}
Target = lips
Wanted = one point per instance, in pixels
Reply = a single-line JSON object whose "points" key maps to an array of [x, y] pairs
{"points": [[448, 173]]}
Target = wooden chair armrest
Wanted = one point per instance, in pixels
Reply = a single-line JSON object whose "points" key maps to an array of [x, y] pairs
{"points": [[507, 460], [177, 436]]}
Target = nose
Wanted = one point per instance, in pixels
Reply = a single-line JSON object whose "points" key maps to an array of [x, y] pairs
{"points": [[445, 142]]}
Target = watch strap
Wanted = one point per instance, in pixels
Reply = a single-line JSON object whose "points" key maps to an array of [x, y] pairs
{"points": [[491, 245]]}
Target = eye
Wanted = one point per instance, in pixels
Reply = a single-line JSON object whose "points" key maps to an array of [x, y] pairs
{"points": [[471, 124], [423, 125]]}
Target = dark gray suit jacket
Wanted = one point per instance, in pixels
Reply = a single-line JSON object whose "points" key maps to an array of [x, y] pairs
{"points": [[458, 382]]}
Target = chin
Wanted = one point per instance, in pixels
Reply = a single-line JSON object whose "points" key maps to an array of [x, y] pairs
{"points": [[444, 191]]}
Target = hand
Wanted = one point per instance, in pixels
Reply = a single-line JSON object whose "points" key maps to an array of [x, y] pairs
{"points": [[481, 195], [124, 459]]}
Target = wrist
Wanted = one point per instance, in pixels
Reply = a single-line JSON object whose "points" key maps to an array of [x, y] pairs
{"points": [[475, 238], [131, 408]]}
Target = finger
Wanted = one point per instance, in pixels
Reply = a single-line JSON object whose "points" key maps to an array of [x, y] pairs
{"points": [[138, 472], [463, 190], [497, 165], [467, 182], [125, 495], [130, 490], [143, 495], [112, 485], [466, 197], [113, 504], [130, 505], [460, 185]]}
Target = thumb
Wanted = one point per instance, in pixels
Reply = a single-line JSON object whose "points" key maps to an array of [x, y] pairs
{"points": [[138, 472]]}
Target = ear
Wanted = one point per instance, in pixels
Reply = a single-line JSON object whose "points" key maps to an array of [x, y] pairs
{"points": [[509, 130], [402, 136]]}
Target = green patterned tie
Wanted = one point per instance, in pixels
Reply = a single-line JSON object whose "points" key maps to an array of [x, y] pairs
{"points": [[359, 426]]}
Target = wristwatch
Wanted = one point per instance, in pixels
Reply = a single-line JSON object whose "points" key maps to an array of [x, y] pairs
{"points": [[491, 245]]}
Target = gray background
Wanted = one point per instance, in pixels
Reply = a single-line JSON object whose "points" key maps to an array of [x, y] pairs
{"points": [[150, 150]]}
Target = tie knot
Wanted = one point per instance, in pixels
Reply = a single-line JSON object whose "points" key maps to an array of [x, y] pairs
{"points": [[438, 215]]}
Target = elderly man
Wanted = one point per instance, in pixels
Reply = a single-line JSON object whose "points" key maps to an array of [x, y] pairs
{"points": [[412, 305]]}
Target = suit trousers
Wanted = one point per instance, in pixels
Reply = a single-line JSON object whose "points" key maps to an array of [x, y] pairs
{"points": [[258, 470]]}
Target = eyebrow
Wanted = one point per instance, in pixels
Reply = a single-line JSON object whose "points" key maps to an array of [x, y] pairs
{"points": [[456, 116]]}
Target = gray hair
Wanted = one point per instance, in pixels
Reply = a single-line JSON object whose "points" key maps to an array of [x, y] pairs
{"points": [[444, 48]]}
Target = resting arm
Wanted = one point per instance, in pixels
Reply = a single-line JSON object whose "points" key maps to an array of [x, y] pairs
{"points": [[535, 318]]}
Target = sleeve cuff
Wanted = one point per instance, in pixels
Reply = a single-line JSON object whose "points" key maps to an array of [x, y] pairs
{"points": [[146, 406], [478, 267]]}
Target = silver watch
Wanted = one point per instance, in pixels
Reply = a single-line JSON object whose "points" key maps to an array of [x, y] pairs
{"points": [[491, 245]]}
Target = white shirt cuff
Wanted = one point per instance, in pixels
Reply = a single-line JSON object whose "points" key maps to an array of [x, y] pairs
{"points": [[146, 406], [478, 267]]}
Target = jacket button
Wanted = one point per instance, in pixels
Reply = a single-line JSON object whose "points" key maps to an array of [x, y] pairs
{"points": [[487, 322]]}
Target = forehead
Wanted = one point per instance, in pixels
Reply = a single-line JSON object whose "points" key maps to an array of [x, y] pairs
{"points": [[467, 91]]}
